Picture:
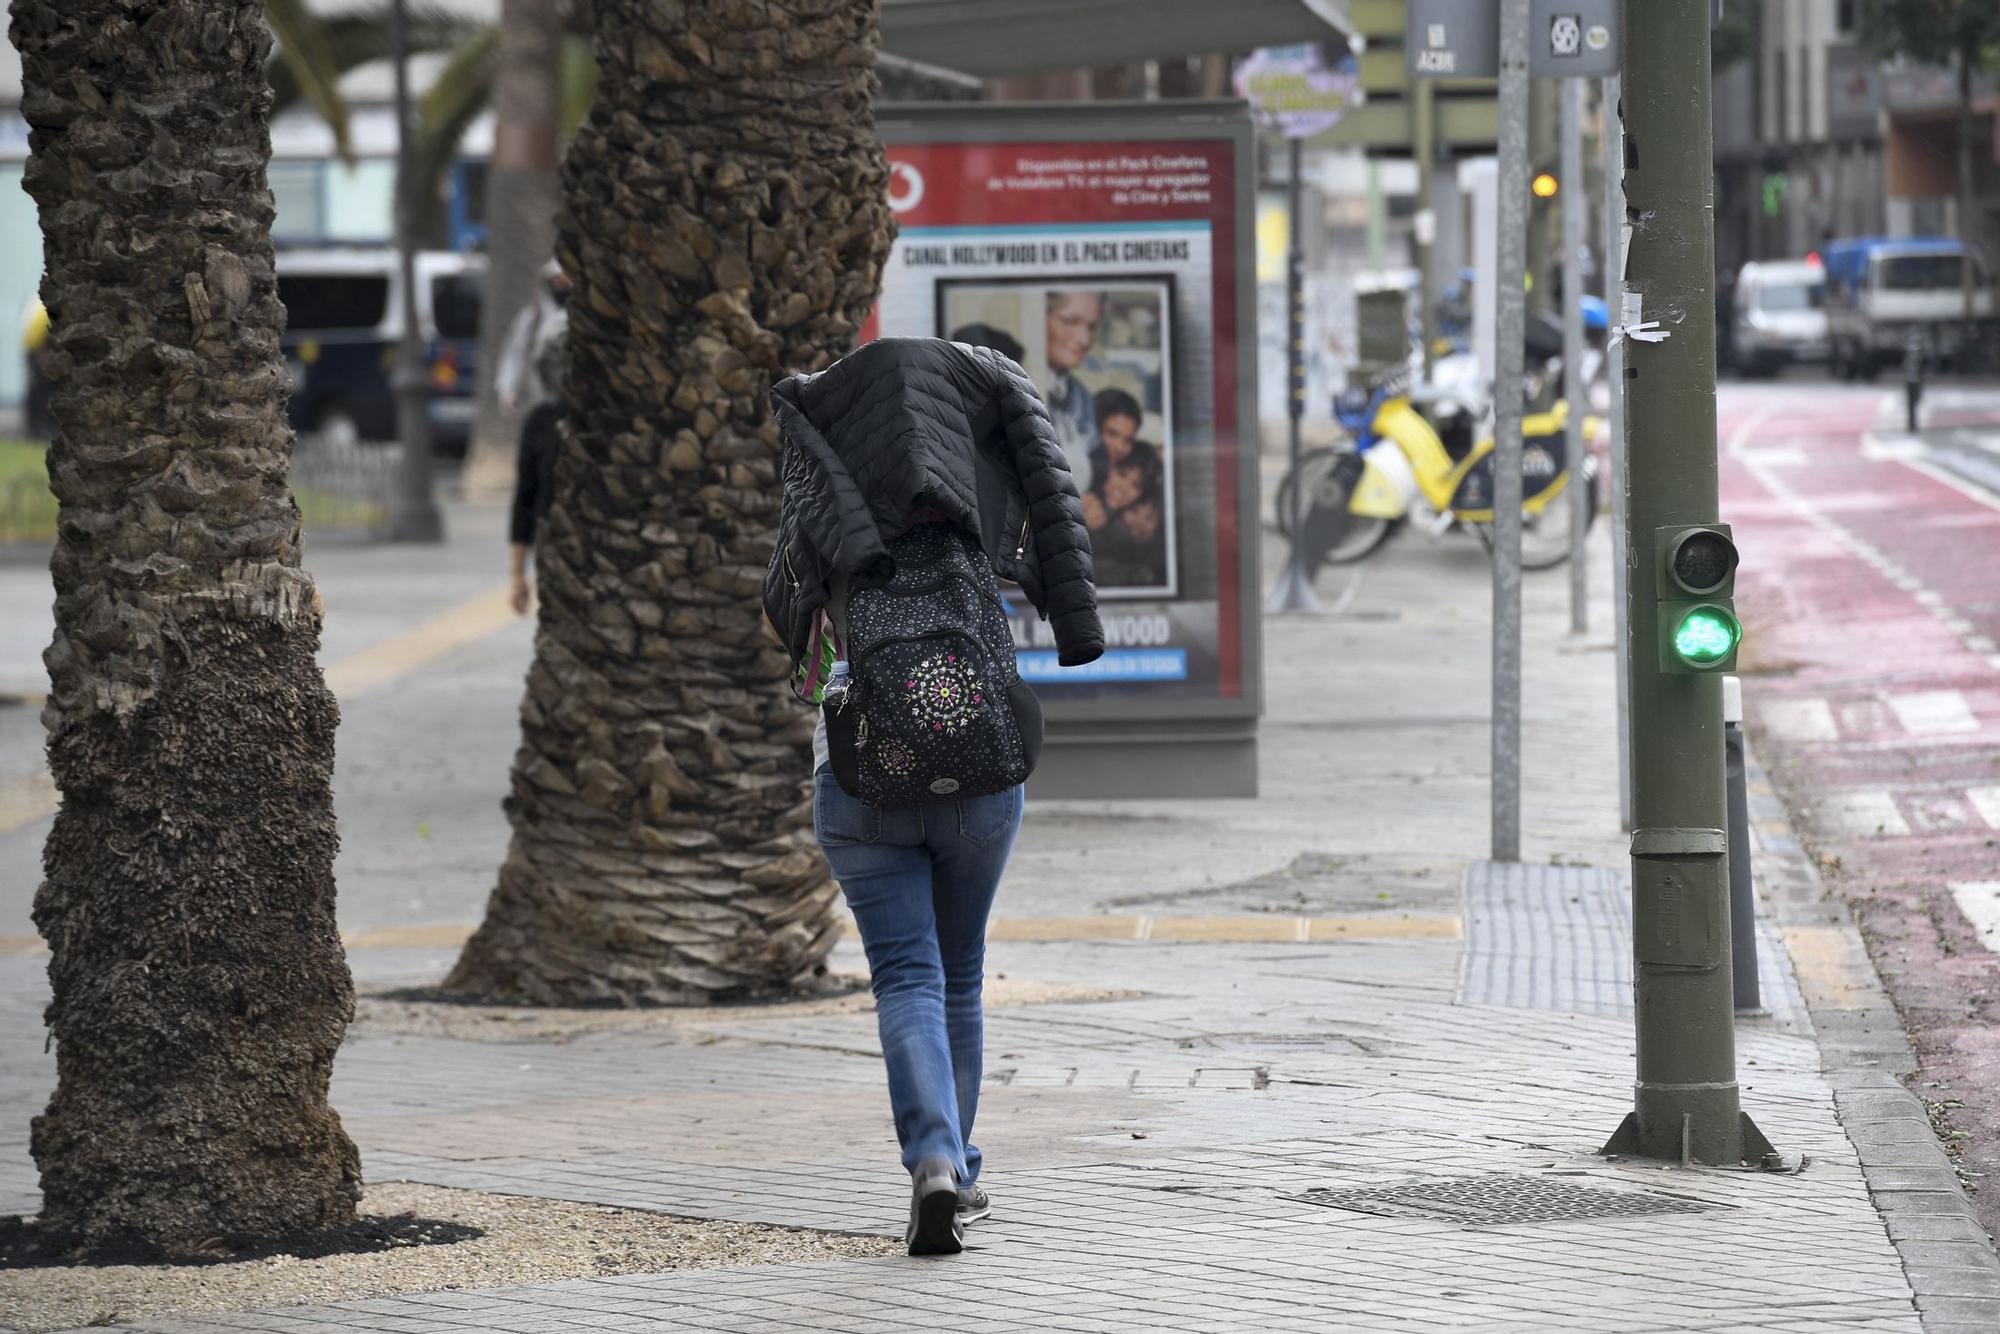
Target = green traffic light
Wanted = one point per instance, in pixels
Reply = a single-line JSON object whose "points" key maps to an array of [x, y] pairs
{"points": [[1706, 635]]}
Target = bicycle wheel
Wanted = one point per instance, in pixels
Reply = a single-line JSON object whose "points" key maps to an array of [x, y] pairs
{"points": [[1282, 502], [1546, 537], [1335, 534]]}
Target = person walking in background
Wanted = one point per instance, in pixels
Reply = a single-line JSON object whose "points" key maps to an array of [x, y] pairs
{"points": [[535, 467], [986, 470], [517, 381]]}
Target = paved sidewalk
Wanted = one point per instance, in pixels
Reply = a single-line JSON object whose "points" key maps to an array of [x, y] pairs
{"points": [[1382, 1128]]}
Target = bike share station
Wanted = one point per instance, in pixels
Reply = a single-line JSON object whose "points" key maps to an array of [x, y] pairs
{"points": [[1109, 249], [1677, 631]]}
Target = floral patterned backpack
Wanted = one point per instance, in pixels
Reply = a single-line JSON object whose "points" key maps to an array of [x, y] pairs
{"points": [[933, 707]]}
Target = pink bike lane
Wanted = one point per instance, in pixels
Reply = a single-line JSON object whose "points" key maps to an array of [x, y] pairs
{"points": [[1870, 595]]}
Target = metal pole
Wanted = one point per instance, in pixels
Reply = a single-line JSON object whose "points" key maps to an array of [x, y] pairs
{"points": [[1742, 893], [1426, 220], [1294, 590], [1686, 1105], [1575, 447], [414, 514], [1614, 377], [1510, 328]]}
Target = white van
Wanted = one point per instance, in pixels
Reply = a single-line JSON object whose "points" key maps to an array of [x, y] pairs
{"points": [[1780, 316]]}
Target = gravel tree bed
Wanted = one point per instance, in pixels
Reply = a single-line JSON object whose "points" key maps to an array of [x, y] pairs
{"points": [[524, 1241]]}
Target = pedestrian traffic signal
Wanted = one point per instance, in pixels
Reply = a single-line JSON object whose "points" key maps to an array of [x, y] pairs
{"points": [[1699, 632]]}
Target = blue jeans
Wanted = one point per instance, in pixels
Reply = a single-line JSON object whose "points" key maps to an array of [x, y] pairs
{"points": [[920, 882]]}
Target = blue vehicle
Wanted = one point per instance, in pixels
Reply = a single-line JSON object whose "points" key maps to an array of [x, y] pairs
{"points": [[343, 329], [1881, 291]]}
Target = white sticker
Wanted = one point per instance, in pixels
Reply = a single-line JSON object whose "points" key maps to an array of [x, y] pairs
{"points": [[1633, 324]]}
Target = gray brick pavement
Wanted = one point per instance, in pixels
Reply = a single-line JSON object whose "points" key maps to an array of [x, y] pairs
{"points": [[1369, 1081]]}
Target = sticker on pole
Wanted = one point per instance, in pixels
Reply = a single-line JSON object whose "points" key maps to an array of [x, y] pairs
{"points": [[1573, 39]]}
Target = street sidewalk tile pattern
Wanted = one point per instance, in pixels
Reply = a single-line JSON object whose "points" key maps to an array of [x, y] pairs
{"points": [[1560, 938], [1260, 1072]]}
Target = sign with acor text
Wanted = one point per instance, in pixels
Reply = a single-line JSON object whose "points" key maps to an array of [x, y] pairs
{"points": [[1460, 39], [1453, 39]]}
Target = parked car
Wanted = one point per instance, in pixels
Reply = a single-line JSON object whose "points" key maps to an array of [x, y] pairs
{"points": [[1880, 291], [344, 326], [1780, 316]]}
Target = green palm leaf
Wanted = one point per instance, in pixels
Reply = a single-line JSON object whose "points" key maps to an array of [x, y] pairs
{"points": [[308, 66], [463, 90]]}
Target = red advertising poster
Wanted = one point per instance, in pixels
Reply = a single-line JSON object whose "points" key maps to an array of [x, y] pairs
{"points": [[1108, 271]]}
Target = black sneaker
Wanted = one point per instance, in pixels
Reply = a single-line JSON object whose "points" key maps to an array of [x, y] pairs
{"points": [[934, 1228], [973, 1204]]}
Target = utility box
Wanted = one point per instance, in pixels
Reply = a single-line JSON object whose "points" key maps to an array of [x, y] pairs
{"points": [[1381, 332]]}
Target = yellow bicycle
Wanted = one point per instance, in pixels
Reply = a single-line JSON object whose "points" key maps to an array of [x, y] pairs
{"points": [[1399, 469]]}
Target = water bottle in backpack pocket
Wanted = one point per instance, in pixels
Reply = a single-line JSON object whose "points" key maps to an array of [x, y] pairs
{"points": [[934, 707]]}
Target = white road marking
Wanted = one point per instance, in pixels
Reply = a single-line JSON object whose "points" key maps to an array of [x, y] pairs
{"points": [[1777, 456], [1864, 814], [1985, 800], [1798, 719], [1892, 448], [1930, 712], [1979, 900]]}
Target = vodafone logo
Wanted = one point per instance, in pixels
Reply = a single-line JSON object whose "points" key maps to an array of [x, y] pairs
{"points": [[906, 187]]}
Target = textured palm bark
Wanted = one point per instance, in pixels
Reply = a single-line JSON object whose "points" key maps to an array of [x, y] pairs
{"points": [[521, 197], [726, 222], [199, 986]]}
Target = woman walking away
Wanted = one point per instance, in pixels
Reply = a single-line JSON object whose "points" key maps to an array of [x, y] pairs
{"points": [[916, 471], [535, 468]]}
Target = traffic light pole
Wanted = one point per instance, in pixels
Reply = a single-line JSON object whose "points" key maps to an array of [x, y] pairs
{"points": [[1686, 1104]]}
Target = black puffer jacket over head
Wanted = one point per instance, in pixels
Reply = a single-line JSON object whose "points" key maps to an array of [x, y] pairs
{"points": [[907, 427]]}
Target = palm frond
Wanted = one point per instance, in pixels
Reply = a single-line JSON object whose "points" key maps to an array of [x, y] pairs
{"points": [[356, 38], [463, 90], [576, 82], [307, 63]]}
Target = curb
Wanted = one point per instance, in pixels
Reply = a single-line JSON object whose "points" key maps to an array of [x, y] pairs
{"points": [[1948, 1257]]}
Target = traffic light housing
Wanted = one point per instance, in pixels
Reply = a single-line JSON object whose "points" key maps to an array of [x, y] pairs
{"points": [[1696, 586]]}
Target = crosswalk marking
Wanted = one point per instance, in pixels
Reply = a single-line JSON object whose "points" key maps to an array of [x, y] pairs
{"points": [[1798, 719], [1979, 900], [1868, 814], [1933, 712], [1986, 800]]}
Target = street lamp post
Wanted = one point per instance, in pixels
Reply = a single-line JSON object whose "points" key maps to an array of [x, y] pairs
{"points": [[413, 515]]}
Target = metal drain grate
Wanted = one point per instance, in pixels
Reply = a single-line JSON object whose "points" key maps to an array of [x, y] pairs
{"points": [[1498, 1200]]}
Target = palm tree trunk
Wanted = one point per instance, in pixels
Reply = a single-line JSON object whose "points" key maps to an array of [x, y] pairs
{"points": [[199, 986], [521, 197], [725, 220]]}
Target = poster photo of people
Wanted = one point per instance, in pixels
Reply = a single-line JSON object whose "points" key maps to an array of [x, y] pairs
{"points": [[1100, 349]]}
